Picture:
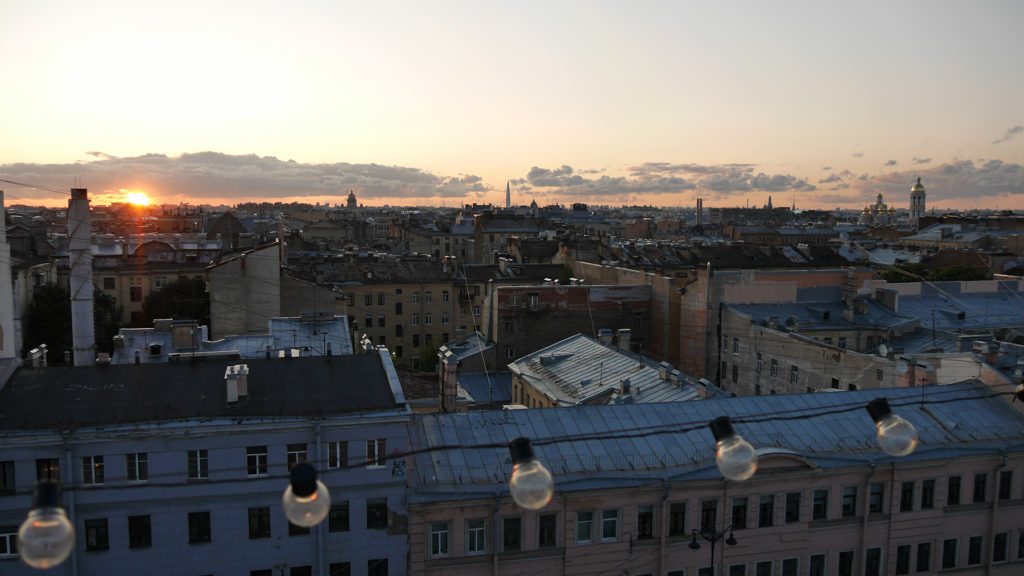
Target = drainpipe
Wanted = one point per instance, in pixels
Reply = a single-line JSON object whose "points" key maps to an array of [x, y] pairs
{"points": [[70, 496], [990, 536], [497, 535], [663, 533], [864, 518], [321, 465]]}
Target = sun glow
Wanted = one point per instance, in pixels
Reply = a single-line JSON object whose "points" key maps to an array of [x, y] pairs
{"points": [[137, 198]]}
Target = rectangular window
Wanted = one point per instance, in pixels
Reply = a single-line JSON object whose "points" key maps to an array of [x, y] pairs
{"points": [[444, 319], [415, 318], [763, 568], [444, 296], [980, 487], [415, 297], [1020, 545], [790, 566], [375, 454], [511, 534], [7, 477], [340, 569], [725, 342], [774, 370], [337, 454], [949, 552], [974, 547], [766, 511], [438, 539], [337, 517], [1005, 484], [924, 556], [398, 331], [8, 541], [198, 527], [428, 319], [256, 460], [376, 513], [96, 535], [903, 559], [1000, 547], [584, 527], [398, 308], [819, 507], [48, 469], [377, 567], [259, 522], [139, 533], [295, 454], [845, 566], [739, 512], [792, 507], [368, 299], [738, 570], [428, 297], [735, 373], [794, 375], [547, 530], [644, 522], [677, 519], [816, 566], [876, 498], [609, 525], [300, 571], [368, 321], [198, 464], [735, 345], [759, 362], [708, 514], [873, 562], [92, 470], [381, 321], [109, 283], [927, 494], [135, 293], [381, 299], [476, 537], [953, 491], [137, 467], [849, 501], [907, 496]]}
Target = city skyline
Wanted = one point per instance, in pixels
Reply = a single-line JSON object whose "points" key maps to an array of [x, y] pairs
{"points": [[650, 103]]}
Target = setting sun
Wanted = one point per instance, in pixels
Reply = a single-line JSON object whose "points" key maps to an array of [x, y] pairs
{"points": [[137, 198]]}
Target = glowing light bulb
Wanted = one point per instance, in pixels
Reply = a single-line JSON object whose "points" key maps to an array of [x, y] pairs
{"points": [[531, 484], [306, 501], [736, 458], [896, 436], [46, 537]]}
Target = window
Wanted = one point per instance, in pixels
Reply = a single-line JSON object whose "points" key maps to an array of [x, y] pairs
{"points": [[376, 513], [677, 519], [1020, 545], [738, 570], [794, 375], [1005, 484], [337, 454], [873, 562], [903, 559], [792, 507], [774, 370], [476, 537], [375, 453], [48, 469], [96, 535], [267, 572], [444, 319], [137, 467], [849, 501], [476, 310], [739, 512], [368, 299], [398, 308], [609, 525], [759, 362], [725, 342], [380, 320], [7, 477], [547, 530], [337, 517], [735, 373], [8, 541], [735, 345], [428, 297], [766, 511], [644, 522], [438, 539], [953, 491], [381, 299], [296, 530], [907, 496], [259, 522], [198, 464], [819, 507], [135, 293], [296, 453], [510, 353], [974, 550], [415, 297], [415, 318], [301, 571], [511, 534], [949, 550], [428, 319], [444, 296], [927, 494], [845, 566], [398, 330], [816, 566], [763, 568], [368, 321], [377, 567], [256, 460], [584, 527], [1000, 547], [340, 569], [139, 533], [876, 498], [980, 488], [708, 514], [92, 470], [109, 283], [198, 527], [924, 556], [790, 566]]}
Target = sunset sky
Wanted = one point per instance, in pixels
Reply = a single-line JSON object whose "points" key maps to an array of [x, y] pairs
{"points": [[817, 104]]}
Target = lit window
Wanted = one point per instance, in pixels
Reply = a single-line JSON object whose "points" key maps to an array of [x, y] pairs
{"points": [[375, 454], [92, 470], [47, 469]]}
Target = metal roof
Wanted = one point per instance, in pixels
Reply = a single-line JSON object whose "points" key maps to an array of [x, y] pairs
{"points": [[811, 315], [464, 455], [1000, 306]]}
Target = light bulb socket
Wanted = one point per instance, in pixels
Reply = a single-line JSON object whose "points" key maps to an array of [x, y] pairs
{"points": [[879, 409], [46, 494], [303, 479], [521, 450], [721, 428]]}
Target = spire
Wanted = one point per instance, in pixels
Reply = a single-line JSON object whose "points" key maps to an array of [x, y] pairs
{"points": [[508, 194]]}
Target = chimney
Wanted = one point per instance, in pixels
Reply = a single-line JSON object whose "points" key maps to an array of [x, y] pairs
{"points": [[449, 368], [604, 336], [772, 322], [624, 387], [236, 379], [80, 260], [624, 334], [663, 370]]}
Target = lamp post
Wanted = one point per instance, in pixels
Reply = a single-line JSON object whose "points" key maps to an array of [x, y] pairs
{"points": [[712, 535]]}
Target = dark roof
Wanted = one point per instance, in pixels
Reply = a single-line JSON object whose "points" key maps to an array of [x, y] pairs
{"points": [[69, 397]]}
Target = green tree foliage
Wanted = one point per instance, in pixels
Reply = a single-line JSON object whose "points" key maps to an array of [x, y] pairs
{"points": [[916, 272], [184, 299], [106, 319], [49, 322]]}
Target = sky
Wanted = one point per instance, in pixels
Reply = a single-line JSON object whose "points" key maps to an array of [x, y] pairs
{"points": [[819, 105]]}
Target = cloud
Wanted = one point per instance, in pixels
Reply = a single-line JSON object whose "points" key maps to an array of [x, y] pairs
{"points": [[891, 163], [826, 168], [960, 182], [858, 154], [558, 177], [1009, 134], [831, 178], [917, 160]]}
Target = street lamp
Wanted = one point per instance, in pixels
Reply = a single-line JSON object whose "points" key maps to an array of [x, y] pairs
{"points": [[712, 536]]}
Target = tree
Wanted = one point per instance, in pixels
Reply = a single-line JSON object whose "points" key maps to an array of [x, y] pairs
{"points": [[106, 320], [49, 322], [183, 299]]}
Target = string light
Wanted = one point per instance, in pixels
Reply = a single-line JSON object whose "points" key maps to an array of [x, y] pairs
{"points": [[46, 537], [306, 501], [531, 484], [896, 436], [735, 457]]}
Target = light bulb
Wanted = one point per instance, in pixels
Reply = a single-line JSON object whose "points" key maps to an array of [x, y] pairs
{"points": [[531, 484], [306, 501], [736, 458], [896, 436], [46, 537]]}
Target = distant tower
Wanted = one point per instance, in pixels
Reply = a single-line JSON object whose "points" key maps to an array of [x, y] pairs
{"points": [[700, 211], [352, 199], [769, 203], [508, 195], [916, 202]]}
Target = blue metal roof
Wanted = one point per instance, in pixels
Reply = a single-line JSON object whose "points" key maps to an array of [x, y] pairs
{"points": [[633, 444], [1001, 305]]}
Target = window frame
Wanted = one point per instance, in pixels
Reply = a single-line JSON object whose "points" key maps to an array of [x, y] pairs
{"points": [[610, 518], [256, 461], [337, 454], [136, 467], [198, 464], [92, 470], [476, 537], [512, 534], [339, 517], [377, 514], [97, 534], [440, 539], [259, 522], [199, 527], [376, 456], [588, 523]]}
